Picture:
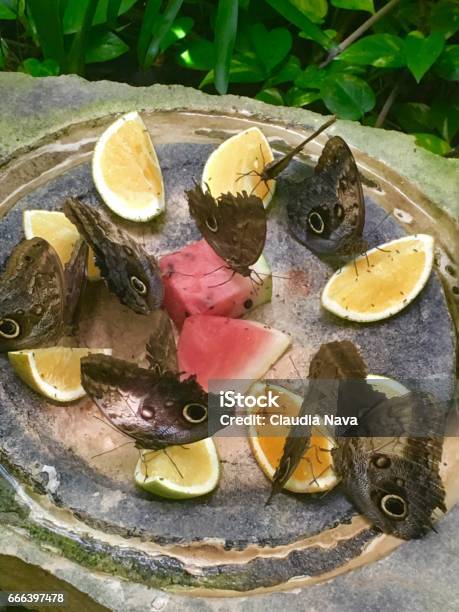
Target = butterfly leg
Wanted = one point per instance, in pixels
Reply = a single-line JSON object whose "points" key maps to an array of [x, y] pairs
{"points": [[224, 282], [112, 450], [173, 463]]}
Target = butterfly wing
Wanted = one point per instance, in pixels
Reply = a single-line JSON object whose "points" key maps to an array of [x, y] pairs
{"points": [[75, 276], [328, 215], [161, 350], [153, 410], [391, 470], [31, 297], [130, 272], [334, 362], [234, 225]]}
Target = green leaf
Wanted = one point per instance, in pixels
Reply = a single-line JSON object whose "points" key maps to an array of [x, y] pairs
{"points": [[412, 116], [47, 19], [271, 96], [355, 5], [447, 67], [347, 96], [75, 57], [199, 55], [300, 97], [444, 18], [36, 68], [3, 53], [7, 11], [315, 10], [155, 29], [181, 27], [244, 69], [445, 117], [380, 50], [292, 14], [272, 46], [421, 53], [75, 10], [225, 37], [312, 77], [104, 46], [432, 143], [288, 71]]}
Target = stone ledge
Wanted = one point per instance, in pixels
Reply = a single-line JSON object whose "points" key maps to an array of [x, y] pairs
{"points": [[32, 108]]}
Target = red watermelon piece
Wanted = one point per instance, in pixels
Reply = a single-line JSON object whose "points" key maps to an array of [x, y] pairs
{"points": [[220, 348], [190, 290]]}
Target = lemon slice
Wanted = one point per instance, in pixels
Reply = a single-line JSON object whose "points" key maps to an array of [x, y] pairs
{"points": [[314, 472], [53, 372], [385, 284], [181, 472], [126, 170], [61, 234], [233, 166]]}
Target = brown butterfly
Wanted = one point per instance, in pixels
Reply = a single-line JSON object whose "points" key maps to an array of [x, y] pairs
{"points": [[234, 225], [389, 463], [333, 362], [38, 298], [129, 271], [155, 407], [328, 214], [272, 170]]}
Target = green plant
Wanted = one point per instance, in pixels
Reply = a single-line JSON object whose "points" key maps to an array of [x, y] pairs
{"points": [[391, 63]]}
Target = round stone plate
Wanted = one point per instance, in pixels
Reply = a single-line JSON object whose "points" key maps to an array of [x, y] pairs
{"points": [[81, 499]]}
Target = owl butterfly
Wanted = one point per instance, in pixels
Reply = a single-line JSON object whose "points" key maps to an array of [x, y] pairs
{"points": [[328, 215], [154, 407], [129, 271], [388, 464], [38, 298], [272, 170], [234, 226]]}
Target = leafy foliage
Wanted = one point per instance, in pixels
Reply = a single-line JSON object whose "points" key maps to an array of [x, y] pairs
{"points": [[390, 63]]}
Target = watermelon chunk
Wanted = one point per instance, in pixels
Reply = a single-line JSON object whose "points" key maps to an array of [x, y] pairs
{"points": [[220, 348], [189, 289]]}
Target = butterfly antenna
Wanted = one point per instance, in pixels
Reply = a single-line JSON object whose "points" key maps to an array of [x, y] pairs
{"points": [[173, 463], [112, 450]]}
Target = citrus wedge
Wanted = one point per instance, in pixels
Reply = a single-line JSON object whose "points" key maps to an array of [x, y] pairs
{"points": [[61, 234], [388, 278], [182, 472], [126, 170], [234, 165], [315, 471], [53, 372]]}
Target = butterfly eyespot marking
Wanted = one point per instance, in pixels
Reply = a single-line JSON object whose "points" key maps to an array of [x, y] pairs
{"points": [[146, 413], [394, 506], [195, 413], [211, 223], [138, 285], [381, 461], [316, 223], [9, 328]]}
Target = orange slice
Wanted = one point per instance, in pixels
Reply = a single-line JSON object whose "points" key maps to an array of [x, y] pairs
{"points": [[234, 165], [126, 170], [61, 234], [314, 472], [388, 278]]}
